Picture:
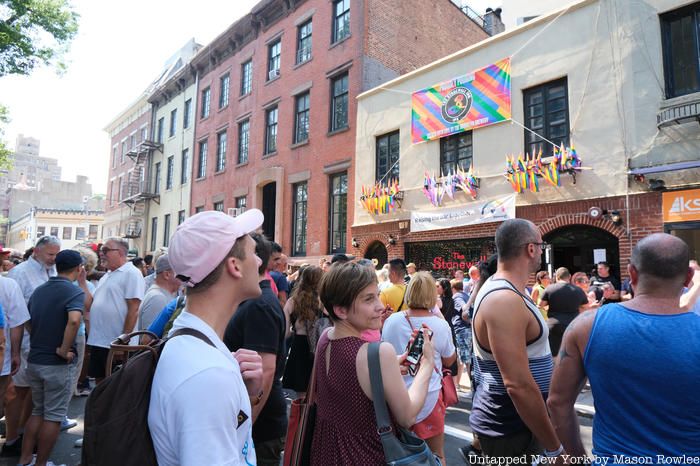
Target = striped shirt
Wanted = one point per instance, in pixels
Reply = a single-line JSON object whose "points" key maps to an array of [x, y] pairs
{"points": [[493, 413]]}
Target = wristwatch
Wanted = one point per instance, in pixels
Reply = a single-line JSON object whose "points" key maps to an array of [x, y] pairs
{"points": [[255, 400]]}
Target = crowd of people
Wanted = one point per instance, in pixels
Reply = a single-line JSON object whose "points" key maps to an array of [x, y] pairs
{"points": [[524, 347]]}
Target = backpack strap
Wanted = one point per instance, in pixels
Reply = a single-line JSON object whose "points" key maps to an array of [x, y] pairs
{"points": [[193, 333]]}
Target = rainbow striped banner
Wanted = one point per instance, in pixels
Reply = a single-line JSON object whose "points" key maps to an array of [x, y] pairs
{"points": [[471, 101]]}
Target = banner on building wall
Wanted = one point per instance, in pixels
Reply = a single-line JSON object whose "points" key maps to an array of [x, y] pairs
{"points": [[496, 210], [478, 99], [681, 206]]}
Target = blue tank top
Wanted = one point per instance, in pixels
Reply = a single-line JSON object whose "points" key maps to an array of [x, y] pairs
{"points": [[644, 371]]}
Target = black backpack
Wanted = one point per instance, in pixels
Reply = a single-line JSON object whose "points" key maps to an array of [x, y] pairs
{"points": [[116, 413]]}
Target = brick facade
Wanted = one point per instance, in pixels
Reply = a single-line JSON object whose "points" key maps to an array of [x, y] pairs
{"points": [[378, 35], [645, 217]]}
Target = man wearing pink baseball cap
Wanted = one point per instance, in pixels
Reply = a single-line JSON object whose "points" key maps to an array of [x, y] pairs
{"points": [[200, 410]]}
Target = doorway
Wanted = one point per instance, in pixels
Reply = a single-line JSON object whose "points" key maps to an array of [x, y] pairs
{"points": [[269, 208], [378, 251], [580, 247]]}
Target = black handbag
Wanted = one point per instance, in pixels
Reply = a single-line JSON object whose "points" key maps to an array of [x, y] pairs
{"points": [[401, 447]]}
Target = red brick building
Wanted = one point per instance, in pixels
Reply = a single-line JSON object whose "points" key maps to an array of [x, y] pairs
{"points": [[276, 116], [127, 131]]}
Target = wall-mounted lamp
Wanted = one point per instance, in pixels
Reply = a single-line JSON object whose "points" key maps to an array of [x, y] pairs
{"points": [[355, 244], [615, 217], [392, 240]]}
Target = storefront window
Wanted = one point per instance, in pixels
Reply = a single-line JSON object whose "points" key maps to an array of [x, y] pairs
{"points": [[442, 258]]}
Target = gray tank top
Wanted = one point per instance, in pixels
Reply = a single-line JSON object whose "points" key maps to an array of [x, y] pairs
{"points": [[493, 412]]}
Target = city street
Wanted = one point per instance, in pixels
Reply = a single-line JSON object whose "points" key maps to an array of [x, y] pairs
{"points": [[457, 434]]}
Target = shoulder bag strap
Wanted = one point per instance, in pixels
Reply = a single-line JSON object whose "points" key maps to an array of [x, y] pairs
{"points": [[311, 389], [381, 412], [193, 333], [402, 298]]}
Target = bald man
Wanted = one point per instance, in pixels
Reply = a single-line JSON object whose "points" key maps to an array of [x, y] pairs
{"points": [[641, 358]]}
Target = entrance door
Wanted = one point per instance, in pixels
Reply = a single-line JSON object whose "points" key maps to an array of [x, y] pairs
{"points": [[378, 251], [269, 206], [580, 247]]}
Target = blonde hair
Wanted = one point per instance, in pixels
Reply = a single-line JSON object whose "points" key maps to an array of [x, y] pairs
{"points": [[89, 257], [420, 293]]}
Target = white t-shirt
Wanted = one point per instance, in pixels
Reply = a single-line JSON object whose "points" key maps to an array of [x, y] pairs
{"points": [[200, 412], [154, 301], [16, 314], [397, 331], [108, 311]]}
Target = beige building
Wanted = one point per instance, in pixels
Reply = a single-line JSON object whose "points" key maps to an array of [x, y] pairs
{"points": [[174, 104], [589, 75], [71, 226]]}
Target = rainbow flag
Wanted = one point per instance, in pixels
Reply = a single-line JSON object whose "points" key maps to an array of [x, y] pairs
{"points": [[478, 99]]}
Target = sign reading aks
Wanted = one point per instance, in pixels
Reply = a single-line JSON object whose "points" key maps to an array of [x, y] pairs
{"points": [[681, 206]]}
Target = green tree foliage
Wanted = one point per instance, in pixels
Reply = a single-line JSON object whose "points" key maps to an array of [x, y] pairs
{"points": [[4, 151], [34, 32]]}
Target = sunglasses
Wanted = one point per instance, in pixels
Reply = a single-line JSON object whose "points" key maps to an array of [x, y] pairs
{"points": [[542, 246]]}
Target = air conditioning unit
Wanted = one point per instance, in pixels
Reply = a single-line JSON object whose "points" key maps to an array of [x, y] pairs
{"points": [[236, 211], [272, 74]]}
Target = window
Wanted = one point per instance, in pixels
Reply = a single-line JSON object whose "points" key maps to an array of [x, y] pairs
{"points": [[187, 114], [680, 39], [341, 20], [301, 118], [338, 212], [79, 233], [111, 192], [271, 130], [299, 229], [206, 98], [274, 51], [170, 172], [185, 165], [202, 165], [92, 231], [114, 157], [54, 231], [547, 114], [219, 206], [144, 133], [166, 230], [387, 153], [132, 141], [304, 42], [221, 151], [159, 134], [180, 217], [121, 188], [173, 123], [243, 141], [456, 152], [224, 83], [156, 183], [124, 151], [154, 233], [199, 209], [67, 232], [40, 231], [241, 202], [339, 102], [246, 77]]}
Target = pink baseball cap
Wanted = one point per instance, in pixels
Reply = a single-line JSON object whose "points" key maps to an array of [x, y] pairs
{"points": [[202, 241]]}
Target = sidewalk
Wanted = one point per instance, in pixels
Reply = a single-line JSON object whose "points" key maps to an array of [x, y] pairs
{"points": [[584, 402]]}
